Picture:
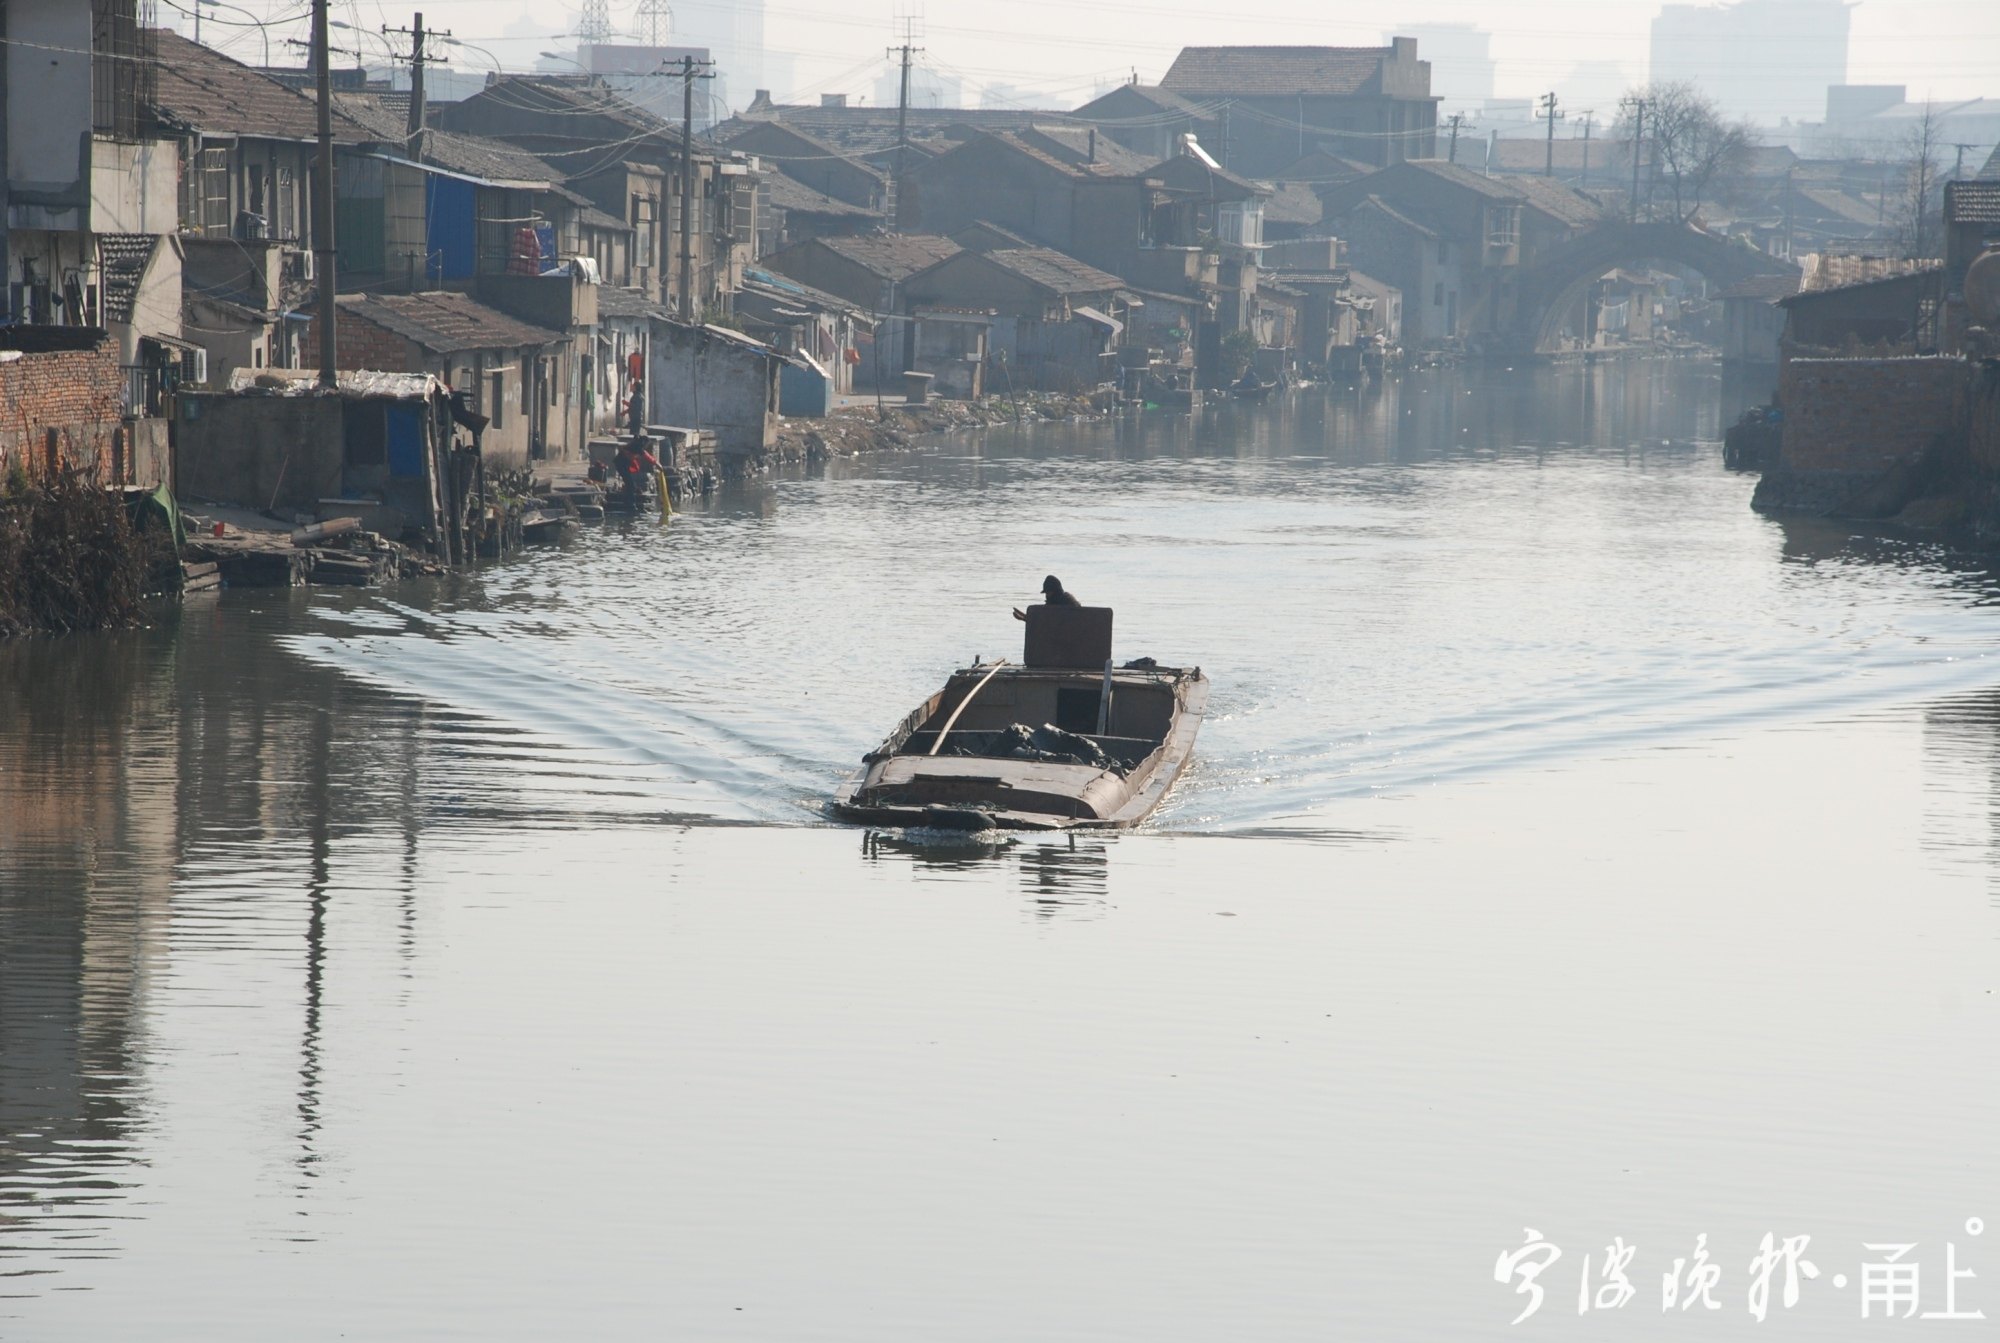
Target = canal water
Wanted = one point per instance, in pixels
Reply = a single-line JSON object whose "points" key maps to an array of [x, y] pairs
{"points": [[1573, 856]]}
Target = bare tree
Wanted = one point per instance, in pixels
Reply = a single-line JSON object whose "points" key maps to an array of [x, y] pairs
{"points": [[1917, 224], [1680, 136]]}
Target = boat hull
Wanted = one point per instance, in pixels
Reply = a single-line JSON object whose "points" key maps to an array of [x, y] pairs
{"points": [[904, 784]]}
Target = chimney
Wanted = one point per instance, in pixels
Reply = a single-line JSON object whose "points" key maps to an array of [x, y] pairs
{"points": [[833, 100], [1093, 144]]}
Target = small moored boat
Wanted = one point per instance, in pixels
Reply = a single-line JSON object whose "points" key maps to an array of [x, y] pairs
{"points": [[1065, 739]]}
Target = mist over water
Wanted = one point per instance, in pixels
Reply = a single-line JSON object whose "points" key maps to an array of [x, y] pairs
{"points": [[1567, 847]]}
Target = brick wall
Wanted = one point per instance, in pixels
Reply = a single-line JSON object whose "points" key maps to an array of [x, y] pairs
{"points": [[363, 345], [64, 408], [1867, 415]]}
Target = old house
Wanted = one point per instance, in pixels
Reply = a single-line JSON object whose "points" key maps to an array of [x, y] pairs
{"points": [[811, 163], [1753, 320], [617, 367], [1474, 233], [89, 188], [246, 148], [864, 270], [872, 134], [635, 196], [1055, 318], [385, 446], [1276, 103], [514, 374], [797, 319], [1147, 119], [790, 212], [1422, 265], [868, 270], [1885, 312], [718, 381], [568, 122], [1096, 211]]}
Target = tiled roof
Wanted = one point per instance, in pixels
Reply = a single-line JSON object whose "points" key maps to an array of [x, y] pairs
{"points": [[982, 235], [1078, 144], [201, 89], [1292, 203], [893, 256], [1266, 71], [1054, 270], [786, 289], [1320, 166], [871, 130], [1558, 201], [445, 322], [123, 258], [1768, 288], [1832, 270], [1377, 203], [473, 155], [615, 302], [1166, 100], [787, 193], [1974, 202], [564, 96]]}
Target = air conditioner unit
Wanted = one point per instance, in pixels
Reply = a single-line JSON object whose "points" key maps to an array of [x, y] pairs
{"points": [[194, 366]]}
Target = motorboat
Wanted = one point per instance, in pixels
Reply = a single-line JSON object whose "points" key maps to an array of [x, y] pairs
{"points": [[1064, 739]]}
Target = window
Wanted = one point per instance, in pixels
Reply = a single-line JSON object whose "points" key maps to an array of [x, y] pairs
{"points": [[215, 191], [1437, 295], [1503, 226], [287, 203], [498, 400]]}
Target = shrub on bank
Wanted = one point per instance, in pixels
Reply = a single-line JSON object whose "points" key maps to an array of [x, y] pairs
{"points": [[70, 558]]}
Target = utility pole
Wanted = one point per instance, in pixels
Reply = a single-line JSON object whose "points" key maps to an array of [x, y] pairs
{"points": [[1552, 116], [1638, 106], [691, 70], [1588, 119], [6, 251], [417, 58], [1457, 119], [323, 248], [903, 121]]}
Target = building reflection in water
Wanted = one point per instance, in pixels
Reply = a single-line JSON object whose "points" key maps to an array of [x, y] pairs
{"points": [[157, 800]]}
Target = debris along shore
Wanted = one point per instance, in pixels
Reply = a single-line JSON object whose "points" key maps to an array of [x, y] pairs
{"points": [[853, 430]]}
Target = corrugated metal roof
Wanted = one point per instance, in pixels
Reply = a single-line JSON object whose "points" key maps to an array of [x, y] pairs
{"points": [[1266, 71], [351, 382]]}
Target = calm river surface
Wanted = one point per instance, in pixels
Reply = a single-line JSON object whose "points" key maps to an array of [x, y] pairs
{"points": [[1570, 849]]}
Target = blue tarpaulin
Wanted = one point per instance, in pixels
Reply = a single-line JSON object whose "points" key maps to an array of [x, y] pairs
{"points": [[406, 440]]}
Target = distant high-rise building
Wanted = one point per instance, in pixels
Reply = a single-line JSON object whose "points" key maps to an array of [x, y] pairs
{"points": [[928, 88], [1461, 60], [734, 35], [1763, 60]]}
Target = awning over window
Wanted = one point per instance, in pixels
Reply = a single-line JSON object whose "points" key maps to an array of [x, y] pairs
{"points": [[1096, 318]]}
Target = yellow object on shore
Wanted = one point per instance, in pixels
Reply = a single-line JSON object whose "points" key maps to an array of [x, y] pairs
{"points": [[666, 503]]}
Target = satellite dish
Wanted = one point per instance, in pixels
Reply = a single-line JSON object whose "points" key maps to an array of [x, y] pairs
{"points": [[1982, 288]]}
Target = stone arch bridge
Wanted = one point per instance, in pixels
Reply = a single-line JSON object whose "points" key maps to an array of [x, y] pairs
{"points": [[1545, 292]]}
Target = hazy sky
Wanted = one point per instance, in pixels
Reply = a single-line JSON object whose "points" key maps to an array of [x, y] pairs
{"points": [[1061, 50]]}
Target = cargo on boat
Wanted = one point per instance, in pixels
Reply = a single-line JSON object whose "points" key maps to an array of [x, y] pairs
{"points": [[1064, 739]]}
